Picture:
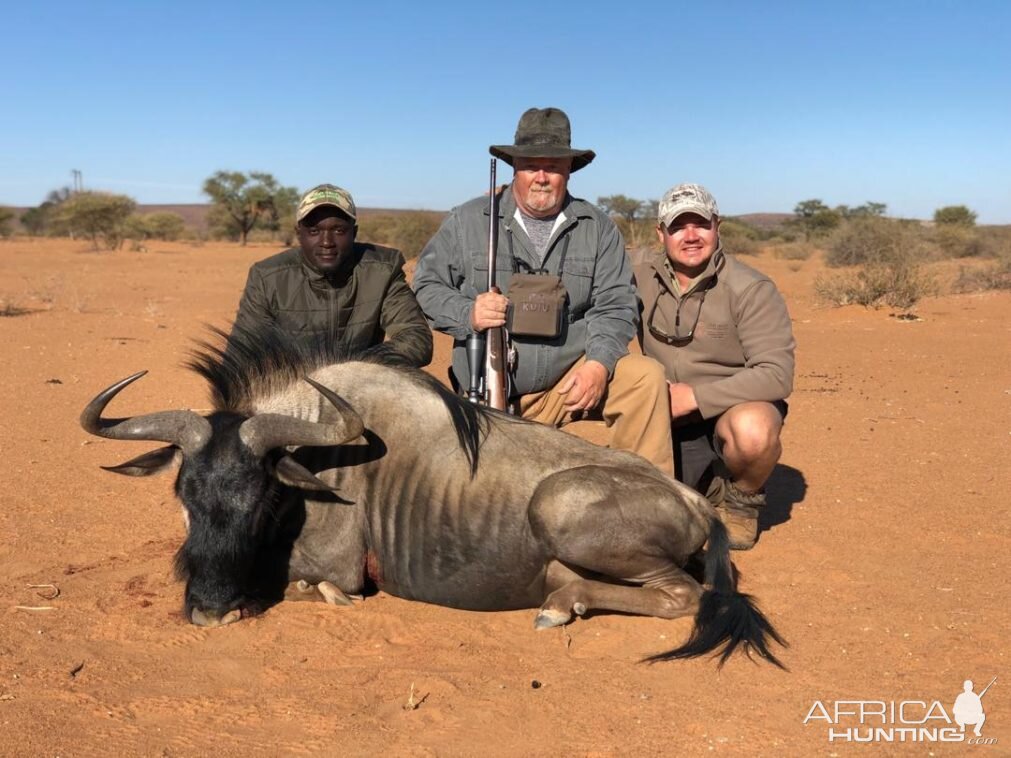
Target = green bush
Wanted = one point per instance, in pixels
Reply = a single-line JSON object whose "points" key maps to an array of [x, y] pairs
{"points": [[6, 215], [161, 226], [872, 239], [739, 238], [96, 215], [957, 215], [409, 231], [954, 241], [639, 234]]}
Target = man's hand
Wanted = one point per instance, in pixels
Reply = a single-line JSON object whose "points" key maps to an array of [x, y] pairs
{"points": [[489, 311], [585, 388], [682, 399]]}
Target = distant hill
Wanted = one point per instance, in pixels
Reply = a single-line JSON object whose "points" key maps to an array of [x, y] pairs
{"points": [[195, 214]]}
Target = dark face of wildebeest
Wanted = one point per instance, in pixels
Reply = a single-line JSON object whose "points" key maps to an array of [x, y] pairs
{"points": [[241, 493]]}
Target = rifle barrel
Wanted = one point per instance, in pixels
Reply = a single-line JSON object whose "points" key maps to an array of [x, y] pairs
{"points": [[496, 379], [987, 687], [492, 228]]}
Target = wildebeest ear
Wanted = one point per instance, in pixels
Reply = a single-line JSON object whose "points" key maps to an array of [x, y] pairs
{"points": [[294, 474], [155, 462]]}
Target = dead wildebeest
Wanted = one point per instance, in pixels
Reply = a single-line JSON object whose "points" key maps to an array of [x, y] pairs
{"points": [[328, 471]]}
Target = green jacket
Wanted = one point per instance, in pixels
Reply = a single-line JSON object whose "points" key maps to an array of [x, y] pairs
{"points": [[361, 309], [601, 309], [742, 347]]}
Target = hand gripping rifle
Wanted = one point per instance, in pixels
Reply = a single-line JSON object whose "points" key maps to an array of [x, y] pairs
{"points": [[487, 351]]}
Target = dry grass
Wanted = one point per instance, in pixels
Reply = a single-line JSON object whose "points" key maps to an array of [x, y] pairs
{"points": [[9, 307], [996, 276], [794, 251], [897, 284]]}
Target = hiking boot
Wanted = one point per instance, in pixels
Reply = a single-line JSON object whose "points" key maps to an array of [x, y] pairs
{"points": [[738, 511]]}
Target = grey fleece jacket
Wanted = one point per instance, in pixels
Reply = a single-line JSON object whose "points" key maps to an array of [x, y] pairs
{"points": [[601, 309]]}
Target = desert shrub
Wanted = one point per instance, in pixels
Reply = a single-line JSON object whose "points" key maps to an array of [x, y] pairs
{"points": [[161, 226], [221, 225], [36, 220], [409, 231], [995, 276], [794, 251], [242, 203], [165, 226], [639, 233], [956, 241], [815, 218], [97, 215], [899, 283], [872, 240], [6, 216], [957, 215], [739, 238], [996, 240]]}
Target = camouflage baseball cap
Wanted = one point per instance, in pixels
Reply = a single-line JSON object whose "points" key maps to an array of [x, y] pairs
{"points": [[325, 194], [686, 198]]}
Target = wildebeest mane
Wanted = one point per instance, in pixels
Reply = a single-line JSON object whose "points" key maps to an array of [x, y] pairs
{"points": [[244, 366]]}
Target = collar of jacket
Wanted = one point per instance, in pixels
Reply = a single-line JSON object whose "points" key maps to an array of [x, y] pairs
{"points": [[717, 261], [339, 278]]}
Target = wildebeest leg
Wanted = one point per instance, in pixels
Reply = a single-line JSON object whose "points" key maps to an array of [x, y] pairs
{"points": [[327, 591], [625, 537], [670, 594]]}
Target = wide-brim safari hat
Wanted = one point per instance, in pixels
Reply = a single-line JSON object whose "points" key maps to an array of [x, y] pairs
{"points": [[543, 133]]}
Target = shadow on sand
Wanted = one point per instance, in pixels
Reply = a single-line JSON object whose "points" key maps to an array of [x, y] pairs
{"points": [[785, 488]]}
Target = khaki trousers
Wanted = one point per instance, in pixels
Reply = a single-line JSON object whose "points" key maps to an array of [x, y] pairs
{"points": [[636, 409]]}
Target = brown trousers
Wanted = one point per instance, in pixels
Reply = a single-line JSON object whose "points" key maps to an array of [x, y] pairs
{"points": [[636, 408]]}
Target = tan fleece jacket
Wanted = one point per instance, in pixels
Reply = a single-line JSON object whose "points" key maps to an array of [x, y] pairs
{"points": [[742, 348]]}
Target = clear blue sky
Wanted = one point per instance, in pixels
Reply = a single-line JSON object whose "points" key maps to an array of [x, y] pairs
{"points": [[766, 103]]}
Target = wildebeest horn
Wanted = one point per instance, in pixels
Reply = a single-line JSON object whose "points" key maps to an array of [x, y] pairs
{"points": [[187, 430], [272, 430]]}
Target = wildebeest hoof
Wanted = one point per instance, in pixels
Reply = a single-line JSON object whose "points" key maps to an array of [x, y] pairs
{"points": [[579, 609], [209, 621], [548, 618], [333, 594], [326, 591]]}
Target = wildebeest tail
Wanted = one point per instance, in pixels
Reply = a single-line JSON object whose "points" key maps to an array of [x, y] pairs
{"points": [[726, 619]]}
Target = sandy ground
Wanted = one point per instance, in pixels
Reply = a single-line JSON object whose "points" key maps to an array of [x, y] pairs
{"points": [[885, 559]]}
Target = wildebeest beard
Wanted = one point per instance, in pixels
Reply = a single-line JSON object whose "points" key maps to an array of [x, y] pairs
{"points": [[242, 526]]}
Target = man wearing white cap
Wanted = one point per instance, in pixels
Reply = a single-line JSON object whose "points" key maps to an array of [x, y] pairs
{"points": [[723, 334], [352, 293]]}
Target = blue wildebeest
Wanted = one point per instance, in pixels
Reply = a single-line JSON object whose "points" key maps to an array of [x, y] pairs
{"points": [[327, 471]]}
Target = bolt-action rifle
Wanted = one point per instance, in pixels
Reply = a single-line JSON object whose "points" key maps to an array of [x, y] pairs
{"points": [[487, 351]]}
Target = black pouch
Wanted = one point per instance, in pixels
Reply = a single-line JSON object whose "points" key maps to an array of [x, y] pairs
{"points": [[536, 305]]}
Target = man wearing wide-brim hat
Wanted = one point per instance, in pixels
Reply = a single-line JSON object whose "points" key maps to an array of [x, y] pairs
{"points": [[352, 295], [585, 371]]}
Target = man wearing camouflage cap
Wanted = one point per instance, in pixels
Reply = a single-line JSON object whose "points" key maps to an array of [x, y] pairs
{"points": [[584, 370], [354, 293], [722, 332]]}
